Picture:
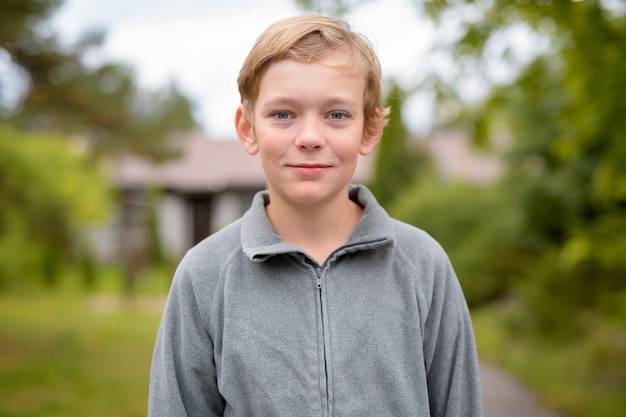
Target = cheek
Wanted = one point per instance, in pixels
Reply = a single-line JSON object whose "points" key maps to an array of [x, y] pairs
{"points": [[349, 145], [271, 145]]}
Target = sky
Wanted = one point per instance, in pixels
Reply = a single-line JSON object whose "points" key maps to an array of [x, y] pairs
{"points": [[201, 44]]}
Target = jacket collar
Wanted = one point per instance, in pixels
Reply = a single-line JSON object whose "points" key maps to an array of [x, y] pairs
{"points": [[260, 241]]}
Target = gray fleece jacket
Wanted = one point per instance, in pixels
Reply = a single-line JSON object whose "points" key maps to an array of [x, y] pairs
{"points": [[255, 327]]}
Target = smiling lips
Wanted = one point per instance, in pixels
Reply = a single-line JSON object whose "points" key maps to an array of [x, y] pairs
{"points": [[310, 169]]}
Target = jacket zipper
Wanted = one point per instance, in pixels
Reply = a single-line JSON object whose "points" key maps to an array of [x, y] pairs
{"points": [[318, 276], [318, 271]]}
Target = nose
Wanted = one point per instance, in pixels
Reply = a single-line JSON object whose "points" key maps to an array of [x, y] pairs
{"points": [[310, 134]]}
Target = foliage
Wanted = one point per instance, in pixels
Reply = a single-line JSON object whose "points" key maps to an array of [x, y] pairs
{"points": [[49, 194], [561, 115], [583, 69], [565, 118], [100, 103], [397, 162]]}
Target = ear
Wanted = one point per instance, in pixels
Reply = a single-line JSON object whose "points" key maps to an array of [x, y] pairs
{"points": [[372, 132], [245, 131]]}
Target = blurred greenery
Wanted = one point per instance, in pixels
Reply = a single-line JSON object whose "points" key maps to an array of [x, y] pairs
{"points": [[70, 343], [397, 164], [76, 356], [65, 353], [68, 118], [579, 378], [50, 194], [69, 94]]}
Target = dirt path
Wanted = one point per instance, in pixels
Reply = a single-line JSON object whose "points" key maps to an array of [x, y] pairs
{"points": [[505, 397]]}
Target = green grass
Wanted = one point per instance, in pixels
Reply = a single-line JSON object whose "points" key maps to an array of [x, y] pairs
{"points": [[71, 355], [153, 279], [572, 376]]}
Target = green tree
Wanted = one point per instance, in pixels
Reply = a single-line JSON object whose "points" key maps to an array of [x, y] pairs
{"points": [[398, 161], [49, 195], [100, 103], [562, 115], [583, 64]]}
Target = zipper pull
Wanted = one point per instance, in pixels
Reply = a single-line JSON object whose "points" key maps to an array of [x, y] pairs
{"points": [[318, 271]]}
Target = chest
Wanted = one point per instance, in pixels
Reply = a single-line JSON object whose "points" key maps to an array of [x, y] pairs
{"points": [[301, 332]]}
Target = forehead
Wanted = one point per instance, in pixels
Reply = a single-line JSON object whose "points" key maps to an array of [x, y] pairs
{"points": [[341, 59], [330, 76]]}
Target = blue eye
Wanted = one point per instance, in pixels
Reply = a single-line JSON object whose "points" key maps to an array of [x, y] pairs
{"points": [[281, 115], [337, 116]]}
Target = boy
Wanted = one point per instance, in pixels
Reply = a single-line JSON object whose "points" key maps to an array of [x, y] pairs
{"points": [[315, 302]]}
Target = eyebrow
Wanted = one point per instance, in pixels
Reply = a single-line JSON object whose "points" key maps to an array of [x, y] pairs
{"points": [[286, 101]]}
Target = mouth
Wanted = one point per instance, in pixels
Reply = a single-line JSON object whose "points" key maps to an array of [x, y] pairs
{"points": [[309, 169]]}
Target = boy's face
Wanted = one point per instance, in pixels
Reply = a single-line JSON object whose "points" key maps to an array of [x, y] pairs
{"points": [[308, 126]]}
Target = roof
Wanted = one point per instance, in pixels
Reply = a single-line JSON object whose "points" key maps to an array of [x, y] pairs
{"points": [[204, 165], [456, 158]]}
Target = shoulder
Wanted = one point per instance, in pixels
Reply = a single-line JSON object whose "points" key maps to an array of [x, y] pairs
{"points": [[417, 243], [428, 262]]}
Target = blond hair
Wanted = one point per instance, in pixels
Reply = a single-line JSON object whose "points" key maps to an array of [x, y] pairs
{"points": [[308, 38]]}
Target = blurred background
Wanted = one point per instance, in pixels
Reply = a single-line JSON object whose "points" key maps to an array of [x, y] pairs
{"points": [[507, 143]]}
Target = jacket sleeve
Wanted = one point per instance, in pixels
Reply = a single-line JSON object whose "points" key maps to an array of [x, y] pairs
{"points": [[450, 348], [183, 376]]}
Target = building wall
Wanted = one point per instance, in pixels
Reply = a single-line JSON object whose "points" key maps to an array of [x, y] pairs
{"points": [[185, 219], [229, 206], [174, 225]]}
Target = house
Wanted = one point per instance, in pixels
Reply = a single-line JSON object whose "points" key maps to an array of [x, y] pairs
{"points": [[456, 159]]}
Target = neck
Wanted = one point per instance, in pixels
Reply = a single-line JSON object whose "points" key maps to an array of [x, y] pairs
{"points": [[319, 230]]}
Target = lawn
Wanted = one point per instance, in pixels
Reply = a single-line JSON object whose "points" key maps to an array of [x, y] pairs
{"points": [[574, 376], [73, 355]]}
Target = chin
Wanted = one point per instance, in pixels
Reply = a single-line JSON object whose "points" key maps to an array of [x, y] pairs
{"points": [[314, 193]]}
